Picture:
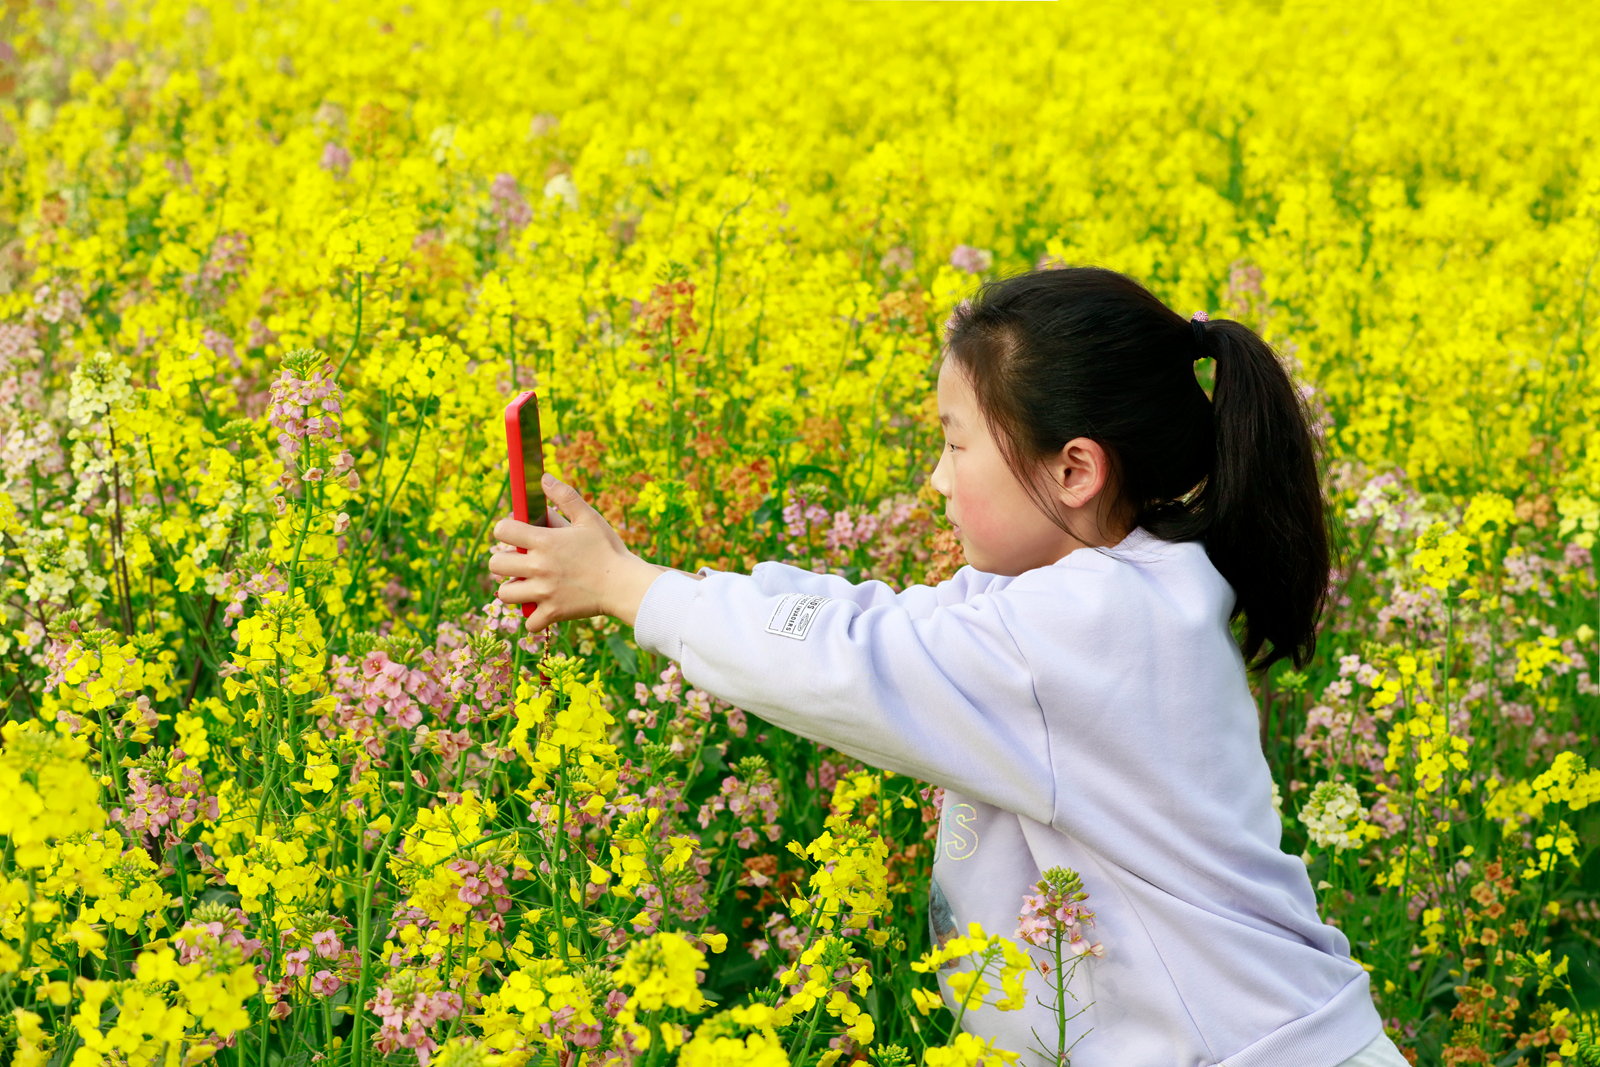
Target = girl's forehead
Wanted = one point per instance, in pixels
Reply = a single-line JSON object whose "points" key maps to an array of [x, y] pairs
{"points": [[951, 374], [957, 401], [954, 386]]}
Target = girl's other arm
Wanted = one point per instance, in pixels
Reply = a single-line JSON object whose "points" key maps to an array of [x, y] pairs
{"points": [[947, 698]]}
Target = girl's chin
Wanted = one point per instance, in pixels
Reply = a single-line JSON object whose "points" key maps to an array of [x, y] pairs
{"points": [[976, 558], [993, 563]]}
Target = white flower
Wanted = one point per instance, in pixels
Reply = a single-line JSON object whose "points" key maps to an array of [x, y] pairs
{"points": [[563, 187], [1334, 816], [99, 384], [57, 566]]}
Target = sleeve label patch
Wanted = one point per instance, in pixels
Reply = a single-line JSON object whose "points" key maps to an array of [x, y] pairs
{"points": [[794, 615]]}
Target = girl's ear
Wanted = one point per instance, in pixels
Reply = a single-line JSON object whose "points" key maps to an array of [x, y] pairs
{"points": [[1078, 472]]}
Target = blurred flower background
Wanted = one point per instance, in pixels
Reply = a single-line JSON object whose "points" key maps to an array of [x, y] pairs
{"points": [[283, 783]]}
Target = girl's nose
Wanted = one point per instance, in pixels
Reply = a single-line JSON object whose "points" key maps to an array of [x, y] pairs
{"points": [[940, 479]]}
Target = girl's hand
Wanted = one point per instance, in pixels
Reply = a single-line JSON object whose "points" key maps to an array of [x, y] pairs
{"points": [[574, 569]]}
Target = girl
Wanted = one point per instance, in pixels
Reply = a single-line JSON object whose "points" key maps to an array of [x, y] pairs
{"points": [[1077, 689]]}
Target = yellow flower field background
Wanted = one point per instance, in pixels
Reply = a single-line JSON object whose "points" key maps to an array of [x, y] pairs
{"points": [[282, 784]]}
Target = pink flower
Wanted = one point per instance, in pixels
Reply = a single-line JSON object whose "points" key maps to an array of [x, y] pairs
{"points": [[326, 942], [1055, 914], [671, 687], [326, 983], [899, 258], [294, 963], [335, 158], [509, 203], [972, 260], [292, 397]]}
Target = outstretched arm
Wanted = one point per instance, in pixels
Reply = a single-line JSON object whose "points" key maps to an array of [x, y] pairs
{"points": [[920, 600], [947, 698], [943, 695], [578, 567]]}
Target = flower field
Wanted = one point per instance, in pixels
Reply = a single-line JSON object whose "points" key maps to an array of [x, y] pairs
{"points": [[281, 781]]}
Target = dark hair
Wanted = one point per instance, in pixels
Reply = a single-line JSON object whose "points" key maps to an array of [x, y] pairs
{"points": [[1087, 352]]}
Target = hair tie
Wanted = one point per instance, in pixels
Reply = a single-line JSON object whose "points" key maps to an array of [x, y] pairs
{"points": [[1198, 321]]}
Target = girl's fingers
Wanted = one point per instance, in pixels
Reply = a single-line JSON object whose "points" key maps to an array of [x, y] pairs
{"points": [[517, 591], [518, 534], [558, 567], [569, 500], [514, 564], [542, 617]]}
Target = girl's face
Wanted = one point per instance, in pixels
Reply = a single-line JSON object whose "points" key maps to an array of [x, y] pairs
{"points": [[1000, 526]]}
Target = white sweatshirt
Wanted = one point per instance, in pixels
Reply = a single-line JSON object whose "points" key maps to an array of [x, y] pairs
{"points": [[1092, 714]]}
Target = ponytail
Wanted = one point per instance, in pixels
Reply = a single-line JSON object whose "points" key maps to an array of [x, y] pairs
{"points": [[1260, 510], [1088, 352]]}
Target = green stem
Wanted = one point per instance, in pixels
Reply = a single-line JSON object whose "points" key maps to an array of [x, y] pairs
{"points": [[364, 939], [356, 339], [559, 890], [811, 1032], [388, 505], [977, 976], [299, 544], [1061, 1001]]}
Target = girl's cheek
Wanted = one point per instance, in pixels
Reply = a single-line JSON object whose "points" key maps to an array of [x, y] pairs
{"points": [[973, 512]]}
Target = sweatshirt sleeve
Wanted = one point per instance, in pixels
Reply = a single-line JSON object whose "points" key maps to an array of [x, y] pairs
{"points": [[776, 579], [944, 696]]}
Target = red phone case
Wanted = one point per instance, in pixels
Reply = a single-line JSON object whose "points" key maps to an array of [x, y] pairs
{"points": [[523, 443]]}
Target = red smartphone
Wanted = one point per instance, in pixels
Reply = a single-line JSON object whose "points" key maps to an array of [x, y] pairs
{"points": [[525, 450]]}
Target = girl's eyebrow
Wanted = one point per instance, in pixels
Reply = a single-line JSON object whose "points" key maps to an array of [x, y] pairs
{"points": [[947, 419]]}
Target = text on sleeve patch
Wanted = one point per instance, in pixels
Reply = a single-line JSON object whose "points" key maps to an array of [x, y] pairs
{"points": [[794, 615]]}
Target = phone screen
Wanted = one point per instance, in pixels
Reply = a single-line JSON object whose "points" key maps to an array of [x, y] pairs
{"points": [[532, 460]]}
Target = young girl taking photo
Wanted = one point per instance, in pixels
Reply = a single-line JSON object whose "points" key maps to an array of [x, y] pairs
{"points": [[1077, 689]]}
